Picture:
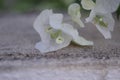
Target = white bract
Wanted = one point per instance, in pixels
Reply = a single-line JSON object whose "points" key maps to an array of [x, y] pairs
{"points": [[104, 23], [54, 33], [101, 16], [88, 4], [106, 6], [74, 12], [103, 6]]}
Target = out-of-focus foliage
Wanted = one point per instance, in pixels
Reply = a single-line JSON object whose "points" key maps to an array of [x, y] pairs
{"points": [[29, 5], [1, 4], [32, 5], [118, 12]]}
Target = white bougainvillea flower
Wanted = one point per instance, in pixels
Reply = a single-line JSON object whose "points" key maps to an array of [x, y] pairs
{"points": [[54, 33], [104, 22], [103, 6], [74, 12], [88, 4], [101, 16]]}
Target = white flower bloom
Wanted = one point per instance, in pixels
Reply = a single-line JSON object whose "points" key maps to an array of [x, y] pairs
{"points": [[88, 4], [104, 22], [74, 12], [101, 16], [103, 6], [55, 34]]}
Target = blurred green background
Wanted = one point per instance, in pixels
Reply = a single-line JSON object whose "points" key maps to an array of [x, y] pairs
{"points": [[30, 5], [36, 5]]}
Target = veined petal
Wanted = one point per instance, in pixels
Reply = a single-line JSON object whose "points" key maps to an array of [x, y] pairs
{"points": [[68, 29], [104, 31], [55, 21], [52, 46], [107, 6], [88, 4], [42, 23], [74, 12]]}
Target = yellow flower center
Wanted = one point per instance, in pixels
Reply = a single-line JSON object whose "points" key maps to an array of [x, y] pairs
{"points": [[55, 34], [59, 40]]}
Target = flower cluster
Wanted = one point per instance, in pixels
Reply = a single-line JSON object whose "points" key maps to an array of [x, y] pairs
{"points": [[56, 34], [101, 14]]}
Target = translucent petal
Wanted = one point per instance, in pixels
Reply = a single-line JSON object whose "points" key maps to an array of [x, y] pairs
{"points": [[82, 41], [74, 12], [56, 21], [106, 6], [107, 18], [88, 4], [110, 20], [91, 16], [78, 21], [52, 46], [67, 28], [104, 31], [42, 23]]}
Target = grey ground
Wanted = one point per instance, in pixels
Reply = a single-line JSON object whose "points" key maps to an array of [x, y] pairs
{"points": [[19, 60]]}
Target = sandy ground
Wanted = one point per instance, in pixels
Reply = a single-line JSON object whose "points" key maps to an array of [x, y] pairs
{"points": [[19, 60]]}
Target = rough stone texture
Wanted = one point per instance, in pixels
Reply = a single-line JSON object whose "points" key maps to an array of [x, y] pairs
{"points": [[19, 60], [64, 69]]}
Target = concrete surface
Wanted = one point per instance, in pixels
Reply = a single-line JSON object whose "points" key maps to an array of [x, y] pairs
{"points": [[61, 69], [19, 60]]}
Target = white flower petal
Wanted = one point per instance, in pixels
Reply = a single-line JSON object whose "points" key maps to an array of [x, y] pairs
{"points": [[52, 46], [106, 6], [88, 4], [78, 21], [41, 23], [56, 21], [110, 20], [68, 29], [74, 12], [91, 16], [82, 41], [107, 18], [104, 31]]}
